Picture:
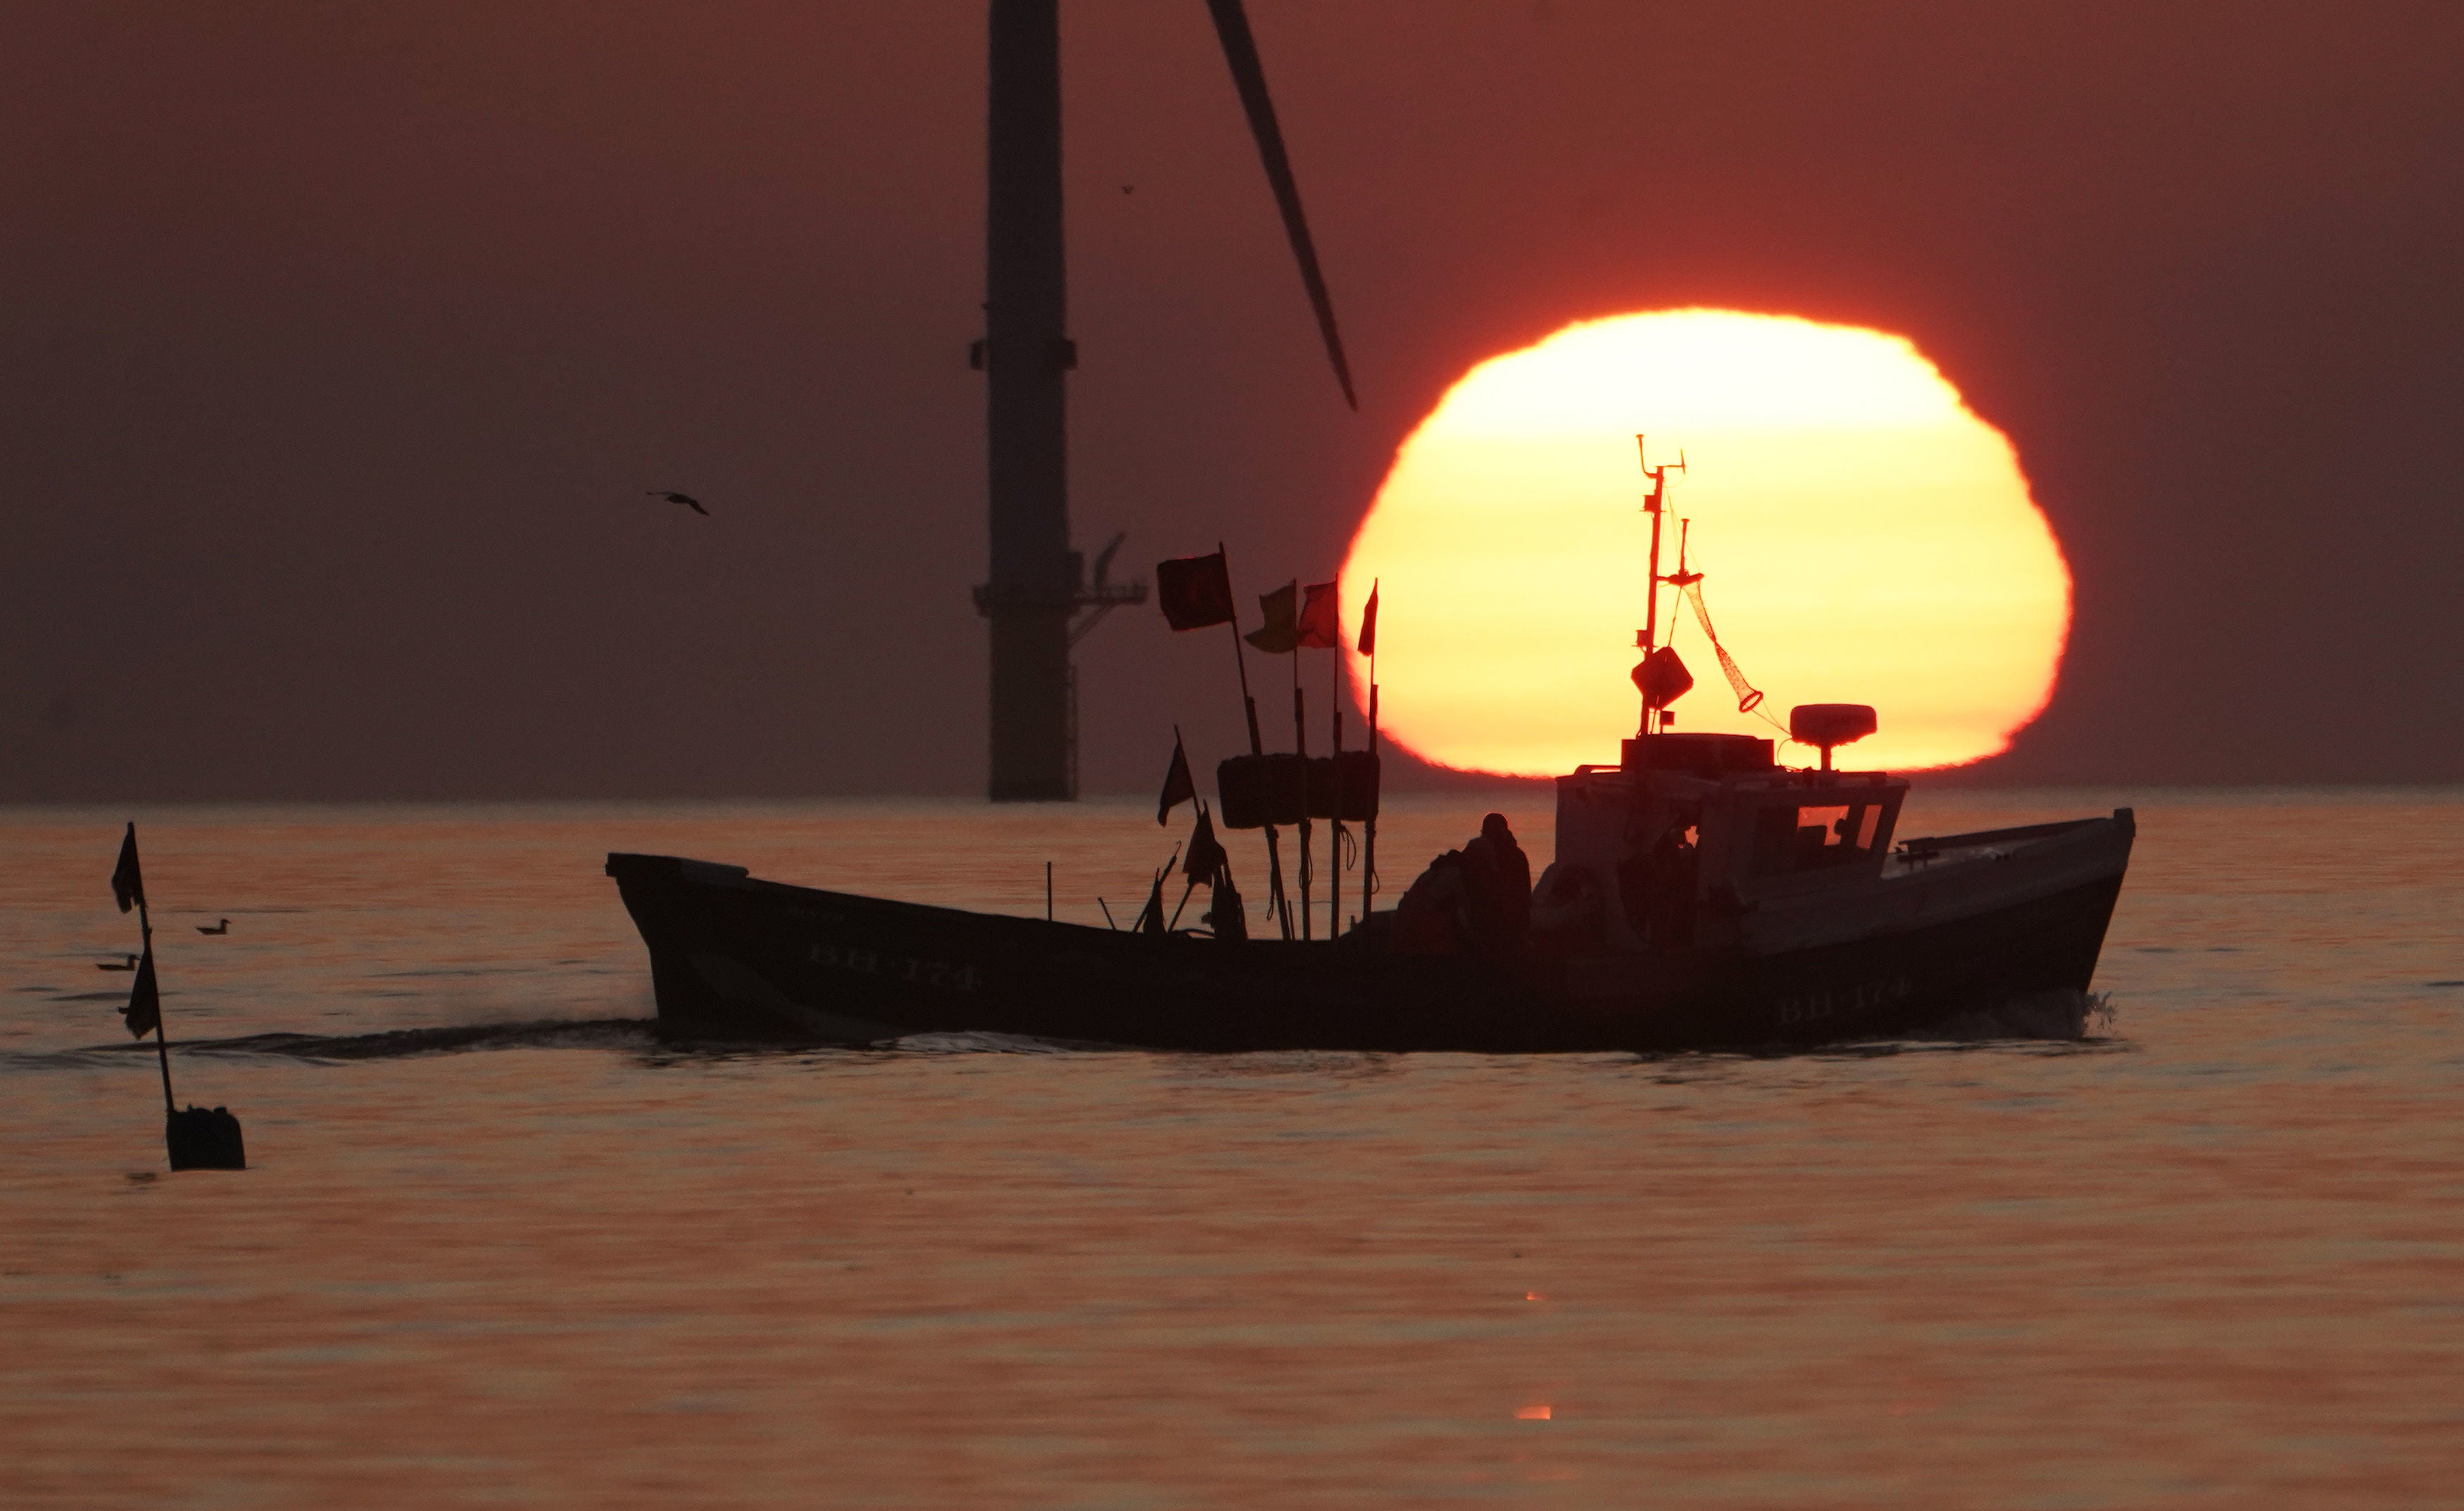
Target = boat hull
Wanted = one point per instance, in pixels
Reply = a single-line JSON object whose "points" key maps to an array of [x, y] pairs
{"points": [[735, 958]]}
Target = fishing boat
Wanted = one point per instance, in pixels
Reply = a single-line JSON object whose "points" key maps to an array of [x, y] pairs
{"points": [[1701, 895], [1788, 932]]}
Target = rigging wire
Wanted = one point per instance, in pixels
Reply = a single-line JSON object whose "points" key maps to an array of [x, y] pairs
{"points": [[1749, 698]]}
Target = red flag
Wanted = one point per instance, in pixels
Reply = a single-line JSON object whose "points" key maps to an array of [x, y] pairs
{"points": [[1178, 786], [144, 1008], [1369, 622], [1282, 631], [1195, 591], [1321, 627], [128, 881]]}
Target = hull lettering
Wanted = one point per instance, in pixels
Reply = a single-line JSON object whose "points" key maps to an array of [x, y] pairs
{"points": [[943, 975]]}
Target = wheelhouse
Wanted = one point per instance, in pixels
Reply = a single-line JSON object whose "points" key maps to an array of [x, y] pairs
{"points": [[1690, 831]]}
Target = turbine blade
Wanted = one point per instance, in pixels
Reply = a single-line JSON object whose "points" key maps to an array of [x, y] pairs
{"points": [[1241, 51]]}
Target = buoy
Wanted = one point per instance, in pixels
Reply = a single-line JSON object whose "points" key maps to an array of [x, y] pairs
{"points": [[199, 1138], [205, 1138]]}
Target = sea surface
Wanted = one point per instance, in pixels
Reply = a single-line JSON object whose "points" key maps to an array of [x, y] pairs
{"points": [[496, 1247]]}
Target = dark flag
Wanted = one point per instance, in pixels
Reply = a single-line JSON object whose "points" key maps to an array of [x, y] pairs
{"points": [[1195, 591], [127, 883], [1150, 921], [1224, 911], [1321, 627], [1178, 786], [1282, 631], [1206, 854], [144, 1008], [1369, 624]]}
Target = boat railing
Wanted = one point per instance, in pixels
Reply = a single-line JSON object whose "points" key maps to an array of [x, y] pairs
{"points": [[1932, 845]]}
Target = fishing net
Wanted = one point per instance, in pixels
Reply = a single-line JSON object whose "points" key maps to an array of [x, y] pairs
{"points": [[1748, 698]]}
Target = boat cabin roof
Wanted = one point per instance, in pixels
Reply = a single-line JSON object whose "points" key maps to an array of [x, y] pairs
{"points": [[1699, 767]]}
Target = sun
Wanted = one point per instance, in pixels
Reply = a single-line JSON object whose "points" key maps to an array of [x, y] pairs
{"points": [[1864, 539]]}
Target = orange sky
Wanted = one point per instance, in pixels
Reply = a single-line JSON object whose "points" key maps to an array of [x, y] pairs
{"points": [[1865, 538], [361, 329]]}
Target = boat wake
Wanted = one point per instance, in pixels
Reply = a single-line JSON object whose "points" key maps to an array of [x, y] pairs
{"points": [[615, 1033], [637, 1035], [404, 1043], [989, 1043], [2061, 1015], [2050, 1022], [2040, 1018]]}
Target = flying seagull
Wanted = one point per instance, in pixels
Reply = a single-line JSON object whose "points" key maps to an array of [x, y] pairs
{"points": [[686, 499], [222, 928], [105, 965]]}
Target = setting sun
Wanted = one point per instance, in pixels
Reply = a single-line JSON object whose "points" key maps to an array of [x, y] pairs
{"points": [[1864, 538]]}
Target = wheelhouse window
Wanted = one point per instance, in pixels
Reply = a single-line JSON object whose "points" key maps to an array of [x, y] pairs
{"points": [[1814, 838]]}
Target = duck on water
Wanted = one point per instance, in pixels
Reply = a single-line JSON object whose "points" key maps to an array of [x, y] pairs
{"points": [[1701, 895]]}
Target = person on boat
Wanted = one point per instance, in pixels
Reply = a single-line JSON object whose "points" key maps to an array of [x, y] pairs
{"points": [[1675, 866], [1658, 884], [1499, 878], [1473, 901], [1566, 911], [1432, 918]]}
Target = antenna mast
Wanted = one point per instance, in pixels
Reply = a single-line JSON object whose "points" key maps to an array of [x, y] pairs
{"points": [[1654, 505]]}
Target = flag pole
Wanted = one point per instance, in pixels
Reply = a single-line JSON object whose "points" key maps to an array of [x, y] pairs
{"points": [[1257, 746], [1300, 747], [1369, 826], [1369, 841], [1249, 704], [162, 1038], [1335, 737]]}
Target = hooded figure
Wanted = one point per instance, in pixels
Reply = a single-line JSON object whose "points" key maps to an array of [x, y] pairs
{"points": [[1499, 875]]}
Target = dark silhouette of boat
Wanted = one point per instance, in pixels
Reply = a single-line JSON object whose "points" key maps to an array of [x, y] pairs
{"points": [[1788, 932], [1701, 895]]}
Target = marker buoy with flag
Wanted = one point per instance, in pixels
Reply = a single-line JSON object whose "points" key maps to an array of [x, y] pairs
{"points": [[198, 1138]]}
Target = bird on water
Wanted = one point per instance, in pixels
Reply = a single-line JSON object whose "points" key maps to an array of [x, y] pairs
{"points": [[686, 499], [222, 928], [129, 964]]}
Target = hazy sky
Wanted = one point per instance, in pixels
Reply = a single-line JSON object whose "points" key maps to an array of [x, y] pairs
{"points": [[341, 343]]}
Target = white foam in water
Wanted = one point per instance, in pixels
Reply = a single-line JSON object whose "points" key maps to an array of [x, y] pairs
{"points": [[2037, 1015], [984, 1042]]}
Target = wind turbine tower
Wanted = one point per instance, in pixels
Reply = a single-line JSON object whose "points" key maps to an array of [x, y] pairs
{"points": [[1038, 589]]}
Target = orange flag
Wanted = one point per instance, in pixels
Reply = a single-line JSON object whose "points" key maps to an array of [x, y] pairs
{"points": [[1320, 626]]}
